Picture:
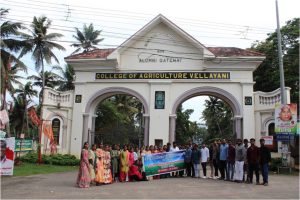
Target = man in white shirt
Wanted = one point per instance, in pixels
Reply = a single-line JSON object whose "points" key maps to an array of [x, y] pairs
{"points": [[175, 147], [204, 158]]}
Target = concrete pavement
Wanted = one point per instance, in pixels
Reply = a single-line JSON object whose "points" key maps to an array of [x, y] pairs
{"points": [[62, 186]]}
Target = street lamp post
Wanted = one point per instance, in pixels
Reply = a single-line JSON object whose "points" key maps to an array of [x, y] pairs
{"points": [[282, 85]]}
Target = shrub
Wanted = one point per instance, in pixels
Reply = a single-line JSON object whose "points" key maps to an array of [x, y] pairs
{"points": [[56, 159], [30, 157]]}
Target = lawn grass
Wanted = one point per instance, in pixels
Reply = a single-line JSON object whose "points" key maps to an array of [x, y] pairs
{"points": [[26, 169]]}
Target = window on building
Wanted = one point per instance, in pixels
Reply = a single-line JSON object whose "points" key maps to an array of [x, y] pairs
{"points": [[271, 131], [56, 129]]}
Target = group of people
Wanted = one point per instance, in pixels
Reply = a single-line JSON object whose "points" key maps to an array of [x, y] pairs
{"points": [[234, 162], [107, 164]]}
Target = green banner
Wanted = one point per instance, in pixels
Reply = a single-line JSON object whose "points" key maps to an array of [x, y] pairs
{"points": [[23, 145], [162, 163]]}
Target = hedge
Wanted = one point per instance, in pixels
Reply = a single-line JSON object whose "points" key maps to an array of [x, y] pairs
{"points": [[56, 159]]}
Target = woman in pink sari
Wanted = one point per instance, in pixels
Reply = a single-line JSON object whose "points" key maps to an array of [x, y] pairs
{"points": [[83, 178]]}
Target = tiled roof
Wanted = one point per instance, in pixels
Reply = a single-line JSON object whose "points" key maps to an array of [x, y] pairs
{"points": [[217, 51], [232, 52], [94, 54]]}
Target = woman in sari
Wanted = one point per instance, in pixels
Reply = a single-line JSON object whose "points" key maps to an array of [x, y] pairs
{"points": [[100, 166], [83, 178], [124, 162], [92, 161], [106, 166], [133, 172], [115, 162]]}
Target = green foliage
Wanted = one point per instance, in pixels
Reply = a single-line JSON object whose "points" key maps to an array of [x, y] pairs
{"points": [[40, 42], [267, 75], [118, 120], [67, 82], [185, 129], [56, 159], [10, 64], [87, 39], [217, 115]]}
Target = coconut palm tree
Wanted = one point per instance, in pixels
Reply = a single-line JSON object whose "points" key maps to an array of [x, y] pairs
{"points": [[27, 93], [52, 80], [10, 65], [214, 111], [16, 115], [41, 44], [86, 39], [67, 78]]}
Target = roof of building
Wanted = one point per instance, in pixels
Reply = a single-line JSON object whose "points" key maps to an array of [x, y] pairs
{"points": [[217, 51], [94, 54], [232, 52]]}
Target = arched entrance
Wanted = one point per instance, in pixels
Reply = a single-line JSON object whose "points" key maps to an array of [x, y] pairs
{"points": [[210, 91], [89, 116]]}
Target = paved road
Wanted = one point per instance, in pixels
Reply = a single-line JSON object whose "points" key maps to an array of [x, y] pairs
{"points": [[62, 185]]}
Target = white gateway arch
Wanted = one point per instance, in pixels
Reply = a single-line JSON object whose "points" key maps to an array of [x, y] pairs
{"points": [[162, 66]]}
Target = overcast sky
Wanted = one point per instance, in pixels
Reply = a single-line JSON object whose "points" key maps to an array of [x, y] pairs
{"points": [[233, 23]]}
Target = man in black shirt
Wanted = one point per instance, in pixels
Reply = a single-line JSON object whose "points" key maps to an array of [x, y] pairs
{"points": [[265, 158]]}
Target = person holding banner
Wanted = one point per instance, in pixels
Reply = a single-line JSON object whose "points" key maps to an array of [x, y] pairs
{"points": [[188, 160], [196, 156], [133, 172]]}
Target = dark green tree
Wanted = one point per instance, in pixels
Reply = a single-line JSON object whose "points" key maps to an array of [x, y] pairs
{"points": [[16, 115], [267, 75], [87, 39], [41, 43], [52, 80], [184, 127], [26, 92], [67, 78], [217, 115], [11, 43], [118, 120]]}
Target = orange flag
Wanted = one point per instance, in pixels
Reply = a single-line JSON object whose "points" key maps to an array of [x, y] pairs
{"points": [[33, 116], [47, 130]]}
